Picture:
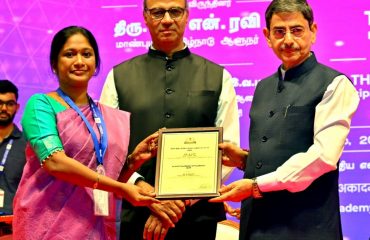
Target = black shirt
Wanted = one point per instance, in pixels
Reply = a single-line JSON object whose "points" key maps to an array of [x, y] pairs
{"points": [[13, 168]]}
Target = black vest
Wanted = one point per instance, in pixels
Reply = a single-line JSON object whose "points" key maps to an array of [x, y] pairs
{"points": [[160, 92], [282, 124]]}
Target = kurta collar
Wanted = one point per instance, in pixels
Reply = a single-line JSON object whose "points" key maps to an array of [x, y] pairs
{"points": [[177, 55], [306, 66]]}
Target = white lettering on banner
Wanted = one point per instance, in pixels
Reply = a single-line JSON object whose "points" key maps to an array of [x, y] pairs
{"points": [[347, 142], [352, 208], [354, 188], [368, 16], [368, 22], [361, 79], [209, 4], [364, 140], [365, 166], [343, 166], [252, 20], [212, 23], [195, 43], [133, 44], [206, 24], [240, 112], [245, 83], [363, 94], [244, 99], [131, 29], [240, 41]]}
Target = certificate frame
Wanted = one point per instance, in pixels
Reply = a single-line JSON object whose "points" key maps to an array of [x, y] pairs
{"points": [[188, 163]]}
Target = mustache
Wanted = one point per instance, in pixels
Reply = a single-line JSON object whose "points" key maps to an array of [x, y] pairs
{"points": [[287, 47], [8, 120], [167, 29], [6, 113]]}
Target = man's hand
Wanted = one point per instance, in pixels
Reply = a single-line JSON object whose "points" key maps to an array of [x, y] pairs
{"points": [[235, 191], [235, 212], [154, 229], [168, 211], [232, 155], [144, 151]]}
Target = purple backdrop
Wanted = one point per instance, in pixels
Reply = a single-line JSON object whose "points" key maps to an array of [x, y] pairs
{"points": [[228, 32]]}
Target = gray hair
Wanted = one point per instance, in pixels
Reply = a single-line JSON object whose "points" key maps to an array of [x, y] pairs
{"points": [[278, 6]]}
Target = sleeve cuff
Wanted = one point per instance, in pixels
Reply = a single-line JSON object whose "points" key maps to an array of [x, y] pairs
{"points": [[134, 177], [269, 183]]}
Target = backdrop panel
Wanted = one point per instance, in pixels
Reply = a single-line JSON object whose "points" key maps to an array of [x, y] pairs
{"points": [[228, 32]]}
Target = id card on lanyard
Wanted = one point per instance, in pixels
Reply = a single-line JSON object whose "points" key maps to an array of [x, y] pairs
{"points": [[101, 203], [2, 167]]}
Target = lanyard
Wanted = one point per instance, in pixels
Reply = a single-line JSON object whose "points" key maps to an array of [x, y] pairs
{"points": [[5, 156], [100, 148]]}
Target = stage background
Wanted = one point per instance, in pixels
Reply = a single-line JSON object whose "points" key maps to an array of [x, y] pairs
{"points": [[228, 32]]}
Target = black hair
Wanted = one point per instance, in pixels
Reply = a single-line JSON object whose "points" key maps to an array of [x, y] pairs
{"points": [[7, 86], [61, 38]]}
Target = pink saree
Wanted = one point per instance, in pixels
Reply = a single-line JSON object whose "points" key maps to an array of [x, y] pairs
{"points": [[48, 208]]}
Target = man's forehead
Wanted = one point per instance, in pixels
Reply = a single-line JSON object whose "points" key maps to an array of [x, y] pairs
{"points": [[288, 19], [159, 3], [7, 96]]}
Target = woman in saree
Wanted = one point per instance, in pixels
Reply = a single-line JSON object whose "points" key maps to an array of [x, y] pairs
{"points": [[76, 169]]}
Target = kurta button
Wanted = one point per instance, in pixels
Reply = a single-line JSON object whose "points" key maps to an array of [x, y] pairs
{"points": [[169, 67], [264, 139], [271, 113], [169, 90], [258, 165], [168, 115]]}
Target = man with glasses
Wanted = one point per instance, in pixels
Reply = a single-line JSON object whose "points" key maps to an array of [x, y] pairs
{"points": [[300, 118], [171, 87], [12, 145]]}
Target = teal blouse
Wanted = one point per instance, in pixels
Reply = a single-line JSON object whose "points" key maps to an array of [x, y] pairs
{"points": [[40, 125]]}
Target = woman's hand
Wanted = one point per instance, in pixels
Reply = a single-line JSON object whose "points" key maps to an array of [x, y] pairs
{"points": [[137, 196]]}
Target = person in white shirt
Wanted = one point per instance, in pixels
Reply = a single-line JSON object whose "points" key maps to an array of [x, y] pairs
{"points": [[300, 118]]}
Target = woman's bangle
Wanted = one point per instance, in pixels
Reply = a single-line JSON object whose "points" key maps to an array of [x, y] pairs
{"points": [[96, 184]]}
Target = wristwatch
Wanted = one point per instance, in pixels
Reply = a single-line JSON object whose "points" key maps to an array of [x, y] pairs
{"points": [[256, 192]]}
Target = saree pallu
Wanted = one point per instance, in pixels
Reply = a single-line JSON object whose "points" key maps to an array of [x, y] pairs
{"points": [[49, 208]]}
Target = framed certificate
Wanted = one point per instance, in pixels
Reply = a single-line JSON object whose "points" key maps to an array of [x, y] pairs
{"points": [[188, 163]]}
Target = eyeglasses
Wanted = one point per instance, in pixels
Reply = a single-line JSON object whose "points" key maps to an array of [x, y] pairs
{"points": [[280, 33], [8, 104], [158, 13]]}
